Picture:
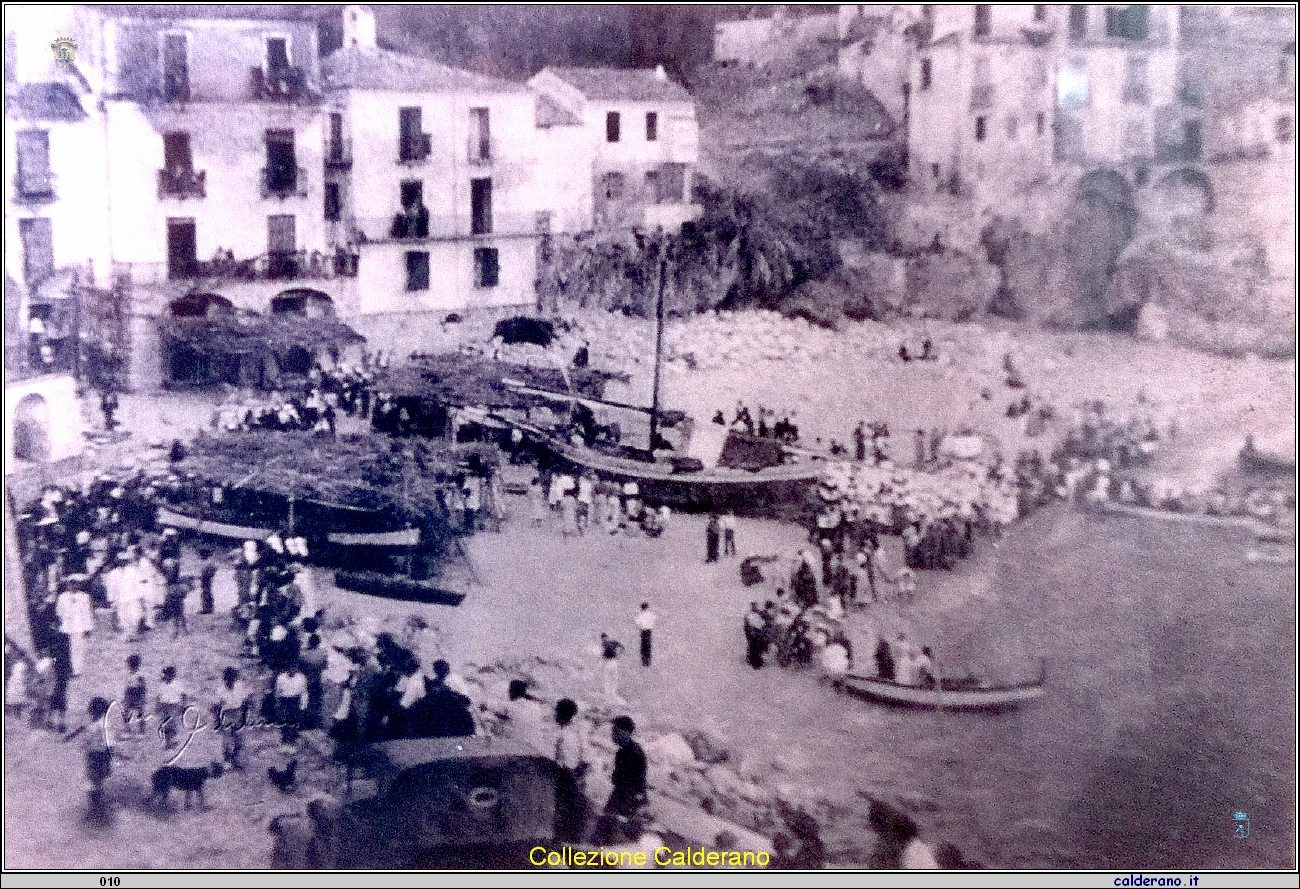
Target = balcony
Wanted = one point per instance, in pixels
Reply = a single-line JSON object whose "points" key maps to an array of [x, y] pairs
{"points": [[481, 152], [281, 85], [1136, 94], [284, 182], [981, 96], [34, 189], [297, 265], [415, 148], [397, 228], [182, 184], [338, 154]]}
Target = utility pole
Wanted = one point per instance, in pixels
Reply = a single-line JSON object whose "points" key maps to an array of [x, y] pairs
{"points": [[659, 346]]}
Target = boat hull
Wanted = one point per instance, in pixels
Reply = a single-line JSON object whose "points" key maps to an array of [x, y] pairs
{"points": [[886, 692], [778, 491]]}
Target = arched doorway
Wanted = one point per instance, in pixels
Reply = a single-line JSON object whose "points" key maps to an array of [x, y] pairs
{"points": [[201, 305], [1099, 225], [303, 302], [31, 432]]}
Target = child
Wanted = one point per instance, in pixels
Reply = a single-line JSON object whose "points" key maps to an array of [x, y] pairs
{"points": [[99, 755], [170, 706], [133, 698]]}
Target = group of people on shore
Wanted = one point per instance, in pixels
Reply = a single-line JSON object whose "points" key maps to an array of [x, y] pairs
{"points": [[769, 424], [586, 504]]}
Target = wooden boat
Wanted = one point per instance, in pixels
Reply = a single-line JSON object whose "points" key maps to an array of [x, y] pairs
{"points": [[767, 490], [993, 698]]}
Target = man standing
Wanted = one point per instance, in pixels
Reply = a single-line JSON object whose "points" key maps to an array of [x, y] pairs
{"points": [[712, 537], [609, 652], [645, 622], [728, 533], [76, 620], [572, 762], [629, 779]]}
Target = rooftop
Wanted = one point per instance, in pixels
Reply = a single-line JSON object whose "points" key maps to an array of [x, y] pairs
{"points": [[237, 12], [371, 68], [46, 101], [551, 113], [622, 84]]}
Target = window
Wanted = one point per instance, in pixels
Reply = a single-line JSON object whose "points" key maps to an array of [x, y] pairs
{"points": [[1041, 123], [1040, 13], [281, 242], [182, 248], [480, 135], [672, 182], [1283, 129], [651, 126], [277, 55], [611, 126], [1013, 127], [176, 153], [983, 21], [612, 185], [1078, 22], [926, 74], [480, 206], [1135, 81], [37, 236], [333, 204], [414, 143], [281, 162], [652, 185], [981, 128], [487, 270], [34, 179], [176, 67], [412, 192], [1127, 22], [1072, 85], [334, 152], [413, 220], [417, 270]]}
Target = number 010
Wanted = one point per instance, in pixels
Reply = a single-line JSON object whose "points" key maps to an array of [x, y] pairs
{"points": [[110, 881]]}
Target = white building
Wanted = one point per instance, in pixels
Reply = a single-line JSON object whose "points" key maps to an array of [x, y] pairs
{"points": [[981, 96], [433, 180], [639, 140], [876, 48]]}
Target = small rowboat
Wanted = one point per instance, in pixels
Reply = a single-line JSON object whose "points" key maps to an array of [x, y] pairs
{"points": [[994, 698]]}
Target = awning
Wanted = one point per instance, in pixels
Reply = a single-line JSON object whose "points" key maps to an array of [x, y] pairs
{"points": [[248, 334]]}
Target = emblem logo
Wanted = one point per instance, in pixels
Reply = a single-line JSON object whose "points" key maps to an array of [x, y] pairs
{"points": [[65, 51], [1241, 825]]}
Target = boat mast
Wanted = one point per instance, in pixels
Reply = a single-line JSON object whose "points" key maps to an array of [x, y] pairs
{"points": [[659, 347]]}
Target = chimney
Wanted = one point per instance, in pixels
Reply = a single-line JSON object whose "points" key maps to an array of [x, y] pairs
{"points": [[358, 27], [660, 73]]}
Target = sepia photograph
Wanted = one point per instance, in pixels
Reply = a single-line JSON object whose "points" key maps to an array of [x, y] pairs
{"points": [[676, 438]]}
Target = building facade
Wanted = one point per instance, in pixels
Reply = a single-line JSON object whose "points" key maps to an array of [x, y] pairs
{"points": [[431, 180], [980, 112], [638, 136]]}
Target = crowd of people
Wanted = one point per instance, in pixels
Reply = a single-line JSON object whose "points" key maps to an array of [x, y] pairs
{"points": [[769, 424], [586, 504]]}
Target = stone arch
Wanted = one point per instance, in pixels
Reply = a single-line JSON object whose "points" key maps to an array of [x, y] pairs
{"points": [[31, 432], [1186, 189], [201, 305], [303, 301], [1100, 223]]}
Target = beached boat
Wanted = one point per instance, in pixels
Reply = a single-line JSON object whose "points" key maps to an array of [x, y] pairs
{"points": [[992, 698]]}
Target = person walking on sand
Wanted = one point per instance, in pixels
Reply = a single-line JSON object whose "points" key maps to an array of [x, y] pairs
{"points": [[712, 537], [645, 622], [728, 524], [610, 649]]}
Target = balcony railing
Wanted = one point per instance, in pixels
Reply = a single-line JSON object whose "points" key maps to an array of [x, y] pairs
{"points": [[34, 189], [1137, 94], [284, 182], [290, 266], [481, 151], [397, 228], [182, 184], [981, 96], [338, 154], [281, 85], [415, 148]]}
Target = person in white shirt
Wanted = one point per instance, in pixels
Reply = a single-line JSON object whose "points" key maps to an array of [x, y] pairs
{"points": [[291, 702], [645, 622], [572, 759], [76, 619]]}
